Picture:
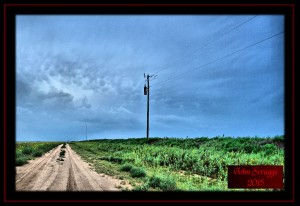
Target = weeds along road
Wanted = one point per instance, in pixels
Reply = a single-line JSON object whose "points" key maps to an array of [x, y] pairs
{"points": [[50, 173]]}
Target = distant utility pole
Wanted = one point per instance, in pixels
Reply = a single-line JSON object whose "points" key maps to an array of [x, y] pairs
{"points": [[147, 92], [85, 132]]}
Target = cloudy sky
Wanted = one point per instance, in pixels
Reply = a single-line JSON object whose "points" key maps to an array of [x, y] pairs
{"points": [[216, 74]]}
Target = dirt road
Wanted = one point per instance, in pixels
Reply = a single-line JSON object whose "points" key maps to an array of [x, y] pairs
{"points": [[48, 173]]}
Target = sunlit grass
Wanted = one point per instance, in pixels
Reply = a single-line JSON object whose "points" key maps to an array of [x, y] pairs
{"points": [[193, 164]]}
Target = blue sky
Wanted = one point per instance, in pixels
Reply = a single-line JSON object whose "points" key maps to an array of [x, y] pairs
{"points": [[216, 74]]}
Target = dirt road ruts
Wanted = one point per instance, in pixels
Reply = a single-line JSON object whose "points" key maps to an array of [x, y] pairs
{"points": [[50, 173]]}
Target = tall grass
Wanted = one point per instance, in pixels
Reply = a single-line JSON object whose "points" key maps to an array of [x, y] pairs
{"points": [[199, 156], [29, 150]]}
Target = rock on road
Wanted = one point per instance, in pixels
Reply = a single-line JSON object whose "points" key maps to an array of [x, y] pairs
{"points": [[47, 173]]}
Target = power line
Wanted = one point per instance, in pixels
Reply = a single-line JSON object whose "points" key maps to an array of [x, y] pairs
{"points": [[175, 77], [192, 52], [219, 58]]}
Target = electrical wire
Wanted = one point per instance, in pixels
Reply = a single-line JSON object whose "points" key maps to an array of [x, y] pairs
{"points": [[228, 55], [204, 65], [174, 77], [192, 52]]}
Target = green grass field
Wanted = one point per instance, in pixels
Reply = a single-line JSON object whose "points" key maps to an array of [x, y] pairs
{"points": [[29, 150], [175, 164]]}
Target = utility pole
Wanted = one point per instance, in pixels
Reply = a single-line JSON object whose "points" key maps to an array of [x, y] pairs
{"points": [[148, 95], [85, 132], [147, 92]]}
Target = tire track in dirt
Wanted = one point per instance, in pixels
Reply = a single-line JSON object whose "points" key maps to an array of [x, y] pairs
{"points": [[60, 180], [88, 181], [27, 174], [47, 173], [71, 184]]}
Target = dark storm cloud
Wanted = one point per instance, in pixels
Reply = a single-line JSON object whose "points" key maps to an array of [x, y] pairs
{"points": [[77, 70], [58, 99], [23, 90]]}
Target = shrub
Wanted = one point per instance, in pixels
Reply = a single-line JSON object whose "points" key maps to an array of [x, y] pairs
{"points": [[164, 183], [142, 188], [269, 149], [168, 184], [279, 138], [22, 160], [19, 153], [112, 159], [126, 167], [27, 150], [63, 146], [154, 182], [137, 172], [116, 159], [37, 153]]}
